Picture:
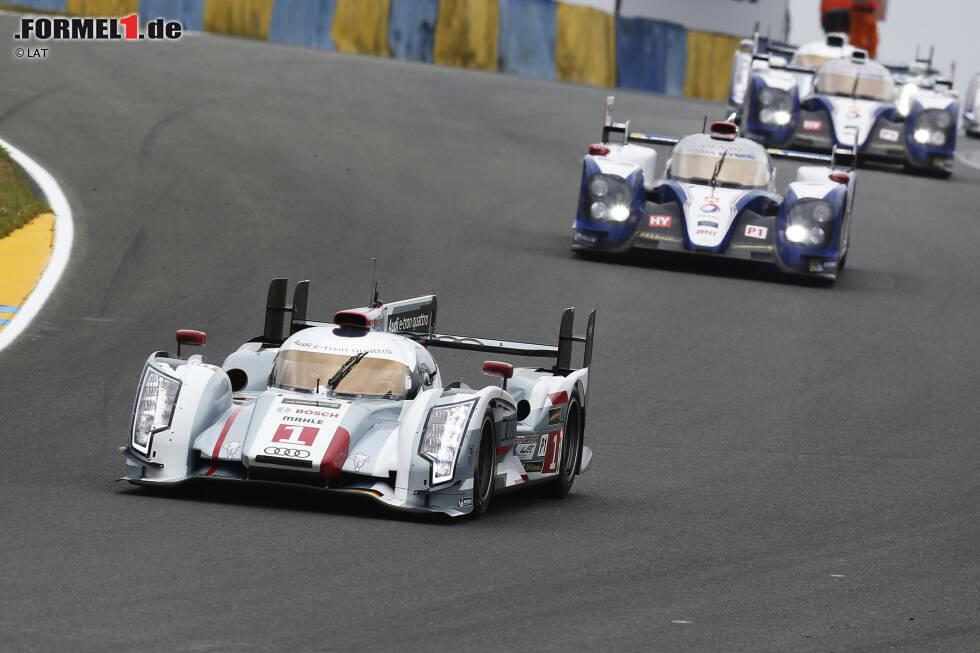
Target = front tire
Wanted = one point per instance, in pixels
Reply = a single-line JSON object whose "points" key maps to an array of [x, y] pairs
{"points": [[484, 470], [571, 448]]}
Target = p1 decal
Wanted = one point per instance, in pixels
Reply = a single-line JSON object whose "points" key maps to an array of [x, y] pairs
{"points": [[888, 134], [755, 231], [812, 125], [303, 436], [551, 457], [660, 220]]}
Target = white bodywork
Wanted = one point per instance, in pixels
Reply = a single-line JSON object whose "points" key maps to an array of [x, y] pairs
{"points": [[710, 213], [852, 119], [624, 160]]}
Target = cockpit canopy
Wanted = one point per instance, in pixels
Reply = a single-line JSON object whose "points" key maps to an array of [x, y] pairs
{"points": [[311, 357], [304, 370], [864, 81], [695, 160]]}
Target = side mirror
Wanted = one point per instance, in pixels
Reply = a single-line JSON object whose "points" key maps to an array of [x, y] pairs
{"points": [[498, 369], [190, 337]]}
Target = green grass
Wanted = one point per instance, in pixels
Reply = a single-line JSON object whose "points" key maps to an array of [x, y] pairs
{"points": [[18, 206]]}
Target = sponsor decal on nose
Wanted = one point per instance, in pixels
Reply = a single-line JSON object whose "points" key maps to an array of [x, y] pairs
{"points": [[661, 221]]}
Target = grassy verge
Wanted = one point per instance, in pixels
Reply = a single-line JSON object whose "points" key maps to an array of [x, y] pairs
{"points": [[18, 206]]}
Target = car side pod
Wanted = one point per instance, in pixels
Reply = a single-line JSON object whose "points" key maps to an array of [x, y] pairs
{"points": [[190, 337]]}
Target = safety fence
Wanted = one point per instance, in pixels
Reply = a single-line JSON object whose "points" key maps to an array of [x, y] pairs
{"points": [[535, 38]]}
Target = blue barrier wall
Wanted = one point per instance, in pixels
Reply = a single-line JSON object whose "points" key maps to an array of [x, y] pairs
{"points": [[190, 13], [412, 29], [526, 44], [303, 22], [651, 55], [53, 5]]}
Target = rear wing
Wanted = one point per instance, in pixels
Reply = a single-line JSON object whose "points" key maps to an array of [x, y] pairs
{"points": [[788, 67], [610, 127], [562, 352], [417, 314], [416, 319]]}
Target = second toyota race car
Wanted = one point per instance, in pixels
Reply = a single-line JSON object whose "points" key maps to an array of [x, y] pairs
{"points": [[358, 405], [853, 104], [717, 197]]}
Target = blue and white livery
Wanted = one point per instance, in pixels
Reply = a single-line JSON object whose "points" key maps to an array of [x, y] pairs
{"points": [[716, 197], [854, 103]]}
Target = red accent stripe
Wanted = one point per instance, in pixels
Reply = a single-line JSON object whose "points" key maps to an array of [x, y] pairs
{"points": [[224, 431], [558, 398], [501, 450], [336, 455], [211, 471]]}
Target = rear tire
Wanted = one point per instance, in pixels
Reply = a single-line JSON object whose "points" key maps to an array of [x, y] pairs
{"points": [[484, 470], [571, 448]]}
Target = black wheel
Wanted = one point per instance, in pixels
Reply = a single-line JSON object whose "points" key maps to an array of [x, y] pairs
{"points": [[571, 447], [484, 470]]}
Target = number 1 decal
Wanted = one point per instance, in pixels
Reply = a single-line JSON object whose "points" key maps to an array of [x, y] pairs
{"points": [[554, 447]]}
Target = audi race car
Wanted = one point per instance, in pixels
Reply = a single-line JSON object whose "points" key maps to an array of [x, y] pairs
{"points": [[971, 108], [797, 64], [358, 405], [853, 104], [716, 197]]}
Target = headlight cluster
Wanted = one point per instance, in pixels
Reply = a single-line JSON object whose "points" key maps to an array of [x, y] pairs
{"points": [[442, 437], [933, 127], [609, 198], [774, 106], [810, 222], [154, 406]]}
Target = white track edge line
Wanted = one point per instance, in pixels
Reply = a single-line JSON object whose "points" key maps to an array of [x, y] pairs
{"points": [[64, 233], [967, 162]]}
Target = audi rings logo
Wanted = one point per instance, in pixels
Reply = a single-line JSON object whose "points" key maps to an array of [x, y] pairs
{"points": [[287, 452]]}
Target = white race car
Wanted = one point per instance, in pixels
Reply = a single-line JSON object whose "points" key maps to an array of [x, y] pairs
{"points": [[359, 405], [796, 64]]}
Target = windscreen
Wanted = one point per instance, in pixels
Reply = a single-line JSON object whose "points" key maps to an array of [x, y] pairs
{"points": [[852, 84], [736, 172], [811, 60], [302, 370]]}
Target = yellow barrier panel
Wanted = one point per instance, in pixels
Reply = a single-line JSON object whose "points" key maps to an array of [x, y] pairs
{"points": [[585, 46], [361, 27], [23, 257], [101, 7], [238, 17], [709, 65], [466, 34]]}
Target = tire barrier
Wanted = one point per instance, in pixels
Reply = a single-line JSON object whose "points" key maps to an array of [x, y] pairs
{"points": [[534, 38]]}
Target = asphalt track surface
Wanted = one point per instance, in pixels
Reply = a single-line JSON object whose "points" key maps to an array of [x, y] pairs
{"points": [[778, 466]]}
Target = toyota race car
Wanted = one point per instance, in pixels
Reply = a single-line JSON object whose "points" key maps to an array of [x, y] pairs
{"points": [[799, 63], [717, 197], [971, 108], [853, 104], [358, 405]]}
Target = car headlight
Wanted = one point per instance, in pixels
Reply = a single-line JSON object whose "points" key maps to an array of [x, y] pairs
{"points": [[933, 127], [154, 406], [774, 107], [809, 222], [609, 198], [442, 437]]}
